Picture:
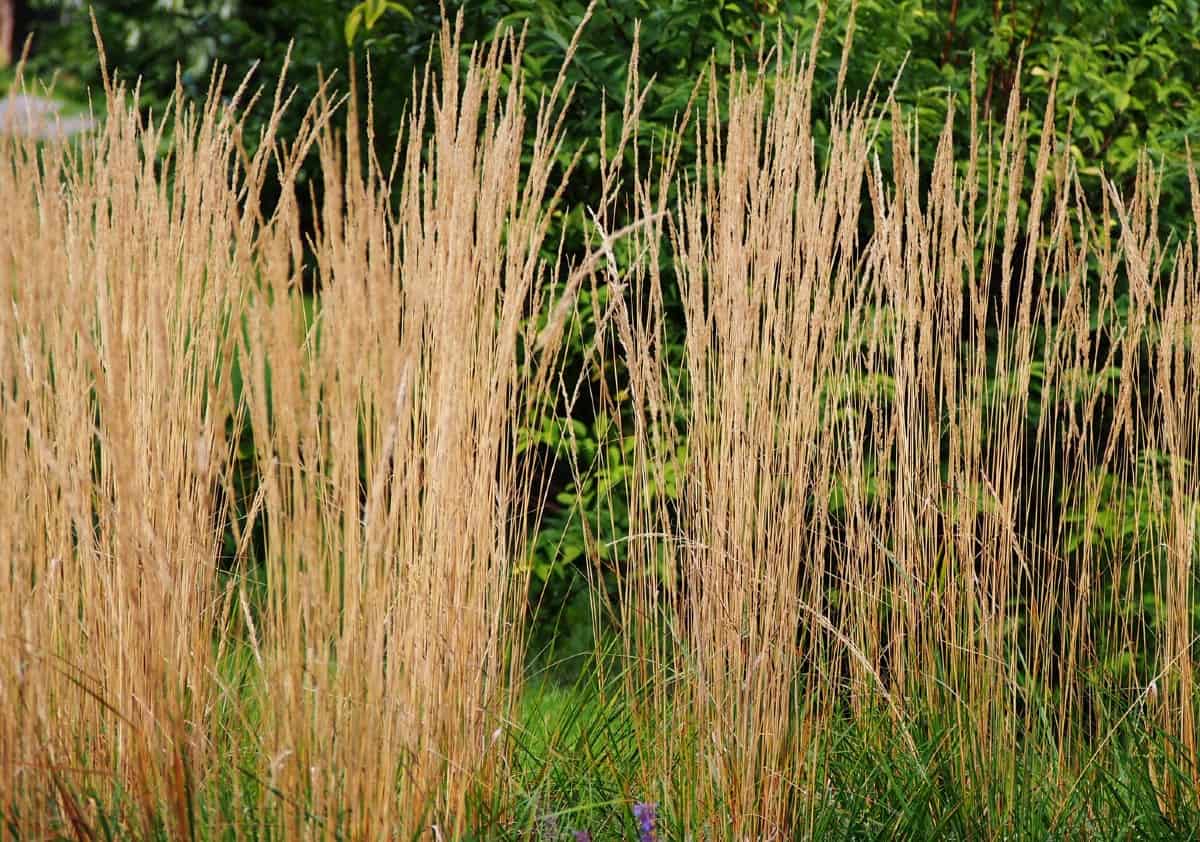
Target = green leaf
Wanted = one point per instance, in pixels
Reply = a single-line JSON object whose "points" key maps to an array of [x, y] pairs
{"points": [[367, 13], [353, 22]]}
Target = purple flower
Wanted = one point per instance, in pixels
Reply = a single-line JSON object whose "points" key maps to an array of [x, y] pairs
{"points": [[646, 814], [583, 836]]}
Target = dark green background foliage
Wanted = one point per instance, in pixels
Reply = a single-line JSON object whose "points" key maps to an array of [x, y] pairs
{"points": [[1128, 71]]}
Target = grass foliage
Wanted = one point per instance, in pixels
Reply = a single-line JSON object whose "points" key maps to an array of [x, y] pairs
{"points": [[912, 523]]}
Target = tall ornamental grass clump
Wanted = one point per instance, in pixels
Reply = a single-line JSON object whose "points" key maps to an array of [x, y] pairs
{"points": [[927, 474], [397, 492], [357, 681], [125, 273]]}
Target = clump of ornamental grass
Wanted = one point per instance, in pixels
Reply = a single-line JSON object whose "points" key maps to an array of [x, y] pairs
{"points": [[358, 682], [397, 492], [883, 487], [122, 273]]}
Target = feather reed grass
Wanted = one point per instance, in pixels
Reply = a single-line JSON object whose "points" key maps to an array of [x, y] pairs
{"points": [[927, 470], [395, 489], [927, 474], [360, 679], [123, 273]]}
